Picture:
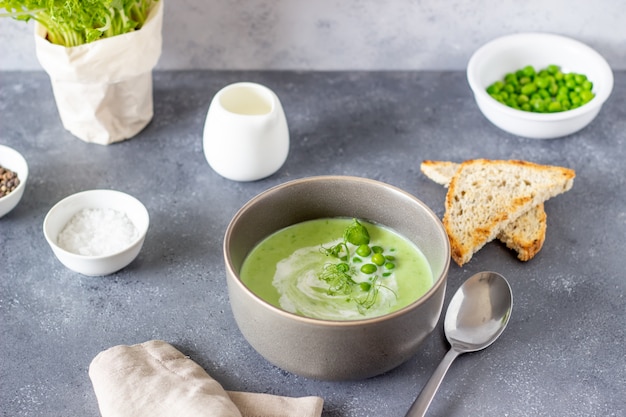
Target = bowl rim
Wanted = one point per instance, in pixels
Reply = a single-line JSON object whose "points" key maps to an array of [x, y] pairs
{"points": [[437, 284], [224, 94], [481, 94], [22, 177], [53, 244]]}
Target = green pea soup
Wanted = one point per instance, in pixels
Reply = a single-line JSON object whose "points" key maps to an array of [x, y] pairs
{"points": [[285, 268]]}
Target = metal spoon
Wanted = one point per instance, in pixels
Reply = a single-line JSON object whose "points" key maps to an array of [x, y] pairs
{"points": [[478, 313]]}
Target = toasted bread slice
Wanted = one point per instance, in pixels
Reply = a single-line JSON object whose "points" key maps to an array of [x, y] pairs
{"points": [[439, 171], [525, 235], [484, 196]]}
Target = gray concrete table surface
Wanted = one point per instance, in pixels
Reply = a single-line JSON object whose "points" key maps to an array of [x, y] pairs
{"points": [[561, 355]]}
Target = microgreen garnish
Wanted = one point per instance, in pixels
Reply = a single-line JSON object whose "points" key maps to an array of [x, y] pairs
{"points": [[340, 275], [339, 251], [338, 278]]}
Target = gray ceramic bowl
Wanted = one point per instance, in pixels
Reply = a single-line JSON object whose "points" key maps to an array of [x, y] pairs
{"points": [[335, 350]]}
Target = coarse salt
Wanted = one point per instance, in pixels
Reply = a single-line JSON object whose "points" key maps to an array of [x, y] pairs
{"points": [[97, 232]]}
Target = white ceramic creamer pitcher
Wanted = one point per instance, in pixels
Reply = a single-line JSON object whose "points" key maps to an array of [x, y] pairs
{"points": [[246, 137]]}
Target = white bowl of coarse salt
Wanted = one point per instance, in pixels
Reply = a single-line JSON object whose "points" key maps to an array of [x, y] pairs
{"points": [[96, 232]]}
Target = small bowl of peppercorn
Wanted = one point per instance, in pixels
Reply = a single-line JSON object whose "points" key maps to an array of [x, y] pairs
{"points": [[13, 176], [539, 85]]}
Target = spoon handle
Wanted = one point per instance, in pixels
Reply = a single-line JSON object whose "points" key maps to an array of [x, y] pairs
{"points": [[421, 404]]}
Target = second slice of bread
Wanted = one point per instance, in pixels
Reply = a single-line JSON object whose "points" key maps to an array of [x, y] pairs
{"points": [[525, 235], [484, 196]]}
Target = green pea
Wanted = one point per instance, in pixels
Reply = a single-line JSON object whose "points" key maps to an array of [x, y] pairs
{"points": [[512, 103], [529, 70], [369, 268], [386, 274], [565, 104], [538, 105], [553, 69], [377, 249], [365, 286], [586, 96], [357, 260], [378, 259], [542, 82], [495, 87], [510, 78], [554, 106], [363, 250], [529, 88], [389, 265], [390, 258], [562, 96]]}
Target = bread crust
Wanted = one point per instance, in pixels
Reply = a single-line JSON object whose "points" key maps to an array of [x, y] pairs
{"points": [[527, 233]]}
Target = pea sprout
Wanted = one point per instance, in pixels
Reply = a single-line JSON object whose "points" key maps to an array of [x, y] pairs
{"points": [[356, 234], [340, 275]]}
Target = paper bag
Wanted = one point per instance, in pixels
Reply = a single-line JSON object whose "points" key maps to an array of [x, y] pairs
{"points": [[103, 89]]}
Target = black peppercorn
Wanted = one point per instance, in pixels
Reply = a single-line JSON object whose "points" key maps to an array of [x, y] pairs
{"points": [[8, 181]]}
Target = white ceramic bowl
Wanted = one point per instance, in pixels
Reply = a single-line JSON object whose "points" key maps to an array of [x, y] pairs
{"points": [[63, 211], [511, 53], [13, 160]]}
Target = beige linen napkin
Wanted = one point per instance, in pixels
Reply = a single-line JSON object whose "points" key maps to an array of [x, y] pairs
{"points": [[154, 379]]}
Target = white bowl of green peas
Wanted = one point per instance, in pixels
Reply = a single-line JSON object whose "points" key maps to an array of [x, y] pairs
{"points": [[539, 85]]}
